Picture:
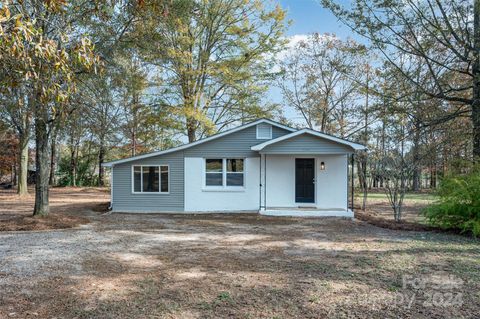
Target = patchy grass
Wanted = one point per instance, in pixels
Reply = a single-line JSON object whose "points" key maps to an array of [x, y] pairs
{"points": [[379, 212], [236, 266]]}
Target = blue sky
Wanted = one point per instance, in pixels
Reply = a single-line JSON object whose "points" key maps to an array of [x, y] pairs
{"points": [[308, 16]]}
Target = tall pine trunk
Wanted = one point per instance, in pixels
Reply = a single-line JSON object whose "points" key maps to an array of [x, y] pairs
{"points": [[416, 158], [42, 163], [476, 80], [364, 157], [134, 142], [53, 158], [22, 188], [101, 159], [191, 130], [73, 165]]}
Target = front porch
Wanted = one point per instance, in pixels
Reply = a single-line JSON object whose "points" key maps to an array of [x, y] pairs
{"points": [[306, 173], [305, 185]]}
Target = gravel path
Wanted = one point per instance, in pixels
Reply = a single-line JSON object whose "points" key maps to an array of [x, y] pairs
{"points": [[228, 266]]}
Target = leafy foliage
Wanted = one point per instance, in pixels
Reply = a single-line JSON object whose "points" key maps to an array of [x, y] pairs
{"points": [[8, 151], [459, 203], [212, 59]]}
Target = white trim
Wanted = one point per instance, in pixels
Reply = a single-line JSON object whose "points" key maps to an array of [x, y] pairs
{"points": [[224, 187], [261, 146], [186, 212], [213, 137], [159, 180], [269, 137], [111, 189], [231, 189]]}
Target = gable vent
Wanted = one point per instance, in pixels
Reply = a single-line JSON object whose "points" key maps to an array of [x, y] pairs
{"points": [[264, 131]]}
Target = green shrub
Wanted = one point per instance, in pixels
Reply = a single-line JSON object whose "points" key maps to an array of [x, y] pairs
{"points": [[458, 206]]}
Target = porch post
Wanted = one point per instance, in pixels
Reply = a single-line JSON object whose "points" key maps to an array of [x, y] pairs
{"points": [[353, 179], [263, 179], [111, 188], [264, 182]]}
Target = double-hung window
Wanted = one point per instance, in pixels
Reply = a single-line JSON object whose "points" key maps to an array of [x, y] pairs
{"points": [[224, 172], [214, 172], [150, 179]]}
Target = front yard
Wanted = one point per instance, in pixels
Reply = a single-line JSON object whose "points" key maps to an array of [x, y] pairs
{"points": [[230, 266]]}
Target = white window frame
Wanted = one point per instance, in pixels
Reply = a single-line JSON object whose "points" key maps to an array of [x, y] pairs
{"points": [[264, 138], [159, 179], [224, 186]]}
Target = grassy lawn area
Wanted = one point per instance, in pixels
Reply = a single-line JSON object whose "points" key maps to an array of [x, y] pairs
{"points": [[409, 197], [378, 206], [232, 266]]}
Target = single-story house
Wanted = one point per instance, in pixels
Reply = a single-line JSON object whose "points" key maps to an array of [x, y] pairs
{"points": [[262, 166]]}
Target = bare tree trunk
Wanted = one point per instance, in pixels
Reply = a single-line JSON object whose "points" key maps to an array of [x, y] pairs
{"points": [[191, 130], [53, 158], [433, 176], [383, 136], [416, 158], [476, 80], [42, 165], [101, 159], [364, 157], [22, 188], [73, 159], [362, 177], [73, 166], [14, 174], [134, 142]]}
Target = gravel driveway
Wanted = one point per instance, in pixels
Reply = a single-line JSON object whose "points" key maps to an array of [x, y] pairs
{"points": [[231, 266]]}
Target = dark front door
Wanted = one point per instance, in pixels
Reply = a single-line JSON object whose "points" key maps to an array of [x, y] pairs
{"points": [[304, 180]]}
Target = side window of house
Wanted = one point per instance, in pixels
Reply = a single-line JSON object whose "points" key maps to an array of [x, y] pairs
{"points": [[150, 179], [224, 172]]}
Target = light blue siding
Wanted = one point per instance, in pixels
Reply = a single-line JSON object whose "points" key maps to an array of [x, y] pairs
{"points": [[237, 144], [125, 201], [306, 144]]}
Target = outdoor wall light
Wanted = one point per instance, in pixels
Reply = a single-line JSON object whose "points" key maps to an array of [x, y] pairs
{"points": [[322, 166]]}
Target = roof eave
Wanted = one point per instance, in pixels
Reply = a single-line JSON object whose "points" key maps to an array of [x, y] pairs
{"points": [[354, 146], [188, 145]]}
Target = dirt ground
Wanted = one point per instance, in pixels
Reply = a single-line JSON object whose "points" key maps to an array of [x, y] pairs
{"points": [[229, 266], [379, 212], [67, 208]]}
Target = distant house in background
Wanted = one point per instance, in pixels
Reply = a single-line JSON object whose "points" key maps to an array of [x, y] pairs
{"points": [[262, 166]]}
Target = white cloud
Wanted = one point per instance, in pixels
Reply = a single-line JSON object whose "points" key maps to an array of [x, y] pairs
{"points": [[295, 39], [292, 42]]}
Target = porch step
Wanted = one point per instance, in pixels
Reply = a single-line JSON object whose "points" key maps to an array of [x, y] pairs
{"points": [[307, 213]]}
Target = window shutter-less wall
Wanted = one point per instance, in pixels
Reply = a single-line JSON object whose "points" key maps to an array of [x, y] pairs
{"points": [[264, 131]]}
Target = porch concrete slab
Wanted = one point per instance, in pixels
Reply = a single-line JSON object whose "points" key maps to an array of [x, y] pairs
{"points": [[302, 212]]}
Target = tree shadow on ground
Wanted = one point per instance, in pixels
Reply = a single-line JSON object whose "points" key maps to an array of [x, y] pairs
{"points": [[208, 267]]}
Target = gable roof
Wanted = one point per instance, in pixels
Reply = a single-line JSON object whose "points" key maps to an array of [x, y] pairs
{"points": [[204, 140], [354, 146]]}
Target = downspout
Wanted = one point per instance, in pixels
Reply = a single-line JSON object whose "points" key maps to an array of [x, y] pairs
{"points": [[348, 179]]}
